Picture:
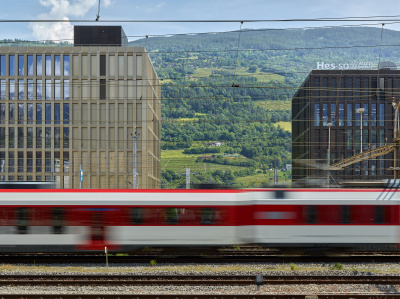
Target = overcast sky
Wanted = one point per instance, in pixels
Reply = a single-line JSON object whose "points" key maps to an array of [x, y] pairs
{"points": [[181, 10]]}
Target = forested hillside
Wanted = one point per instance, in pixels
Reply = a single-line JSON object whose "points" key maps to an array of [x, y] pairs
{"points": [[236, 87]]}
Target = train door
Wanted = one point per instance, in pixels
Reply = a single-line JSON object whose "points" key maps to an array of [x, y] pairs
{"points": [[97, 229]]}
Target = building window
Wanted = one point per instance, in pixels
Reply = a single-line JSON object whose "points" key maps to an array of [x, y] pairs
{"points": [[21, 89], [316, 87], [102, 89], [2, 113], [2, 163], [357, 87], [333, 91], [11, 110], [48, 90], [66, 138], [365, 88], [29, 162], [349, 87], [66, 90], [341, 115], [66, 114], [2, 137], [349, 135], [21, 65], [11, 162], [20, 114], [57, 65], [48, 65], [373, 115], [29, 114], [39, 90], [56, 162], [39, 137], [365, 115], [66, 161], [2, 65], [325, 88], [2, 89], [38, 162], [324, 115], [20, 137], [56, 137], [29, 137], [57, 89], [47, 162], [56, 114], [20, 162], [316, 114], [11, 92], [30, 89], [374, 140], [66, 65], [333, 114], [39, 65], [30, 65], [11, 137], [11, 71], [47, 134], [358, 115], [39, 116], [381, 115], [48, 114]]}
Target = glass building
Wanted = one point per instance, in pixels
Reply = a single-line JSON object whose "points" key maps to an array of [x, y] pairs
{"points": [[333, 97], [63, 109]]}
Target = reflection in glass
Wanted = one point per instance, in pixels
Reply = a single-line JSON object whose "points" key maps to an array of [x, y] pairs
{"points": [[333, 114], [66, 65], [373, 114], [29, 162], [47, 136], [11, 136], [11, 109], [11, 71], [39, 90], [57, 89], [57, 65], [20, 114], [48, 89], [48, 65], [2, 89], [11, 91], [39, 114], [30, 65], [56, 114], [39, 65], [20, 162], [349, 114], [38, 161], [381, 115], [56, 137], [2, 113], [48, 114], [324, 115], [66, 114], [39, 137], [2, 137], [2, 65], [21, 89], [30, 114], [341, 115], [66, 89], [11, 163], [365, 115], [30, 89], [20, 137], [358, 115], [47, 162], [21, 65], [66, 137]]}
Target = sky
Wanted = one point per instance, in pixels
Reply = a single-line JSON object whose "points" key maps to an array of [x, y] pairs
{"points": [[181, 10]]}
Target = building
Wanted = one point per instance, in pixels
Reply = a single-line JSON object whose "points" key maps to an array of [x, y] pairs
{"points": [[67, 109], [328, 100]]}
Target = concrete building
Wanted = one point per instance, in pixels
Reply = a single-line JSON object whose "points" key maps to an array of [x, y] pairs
{"points": [[63, 109], [329, 100]]}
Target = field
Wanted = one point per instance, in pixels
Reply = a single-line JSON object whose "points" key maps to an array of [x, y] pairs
{"points": [[286, 125]]}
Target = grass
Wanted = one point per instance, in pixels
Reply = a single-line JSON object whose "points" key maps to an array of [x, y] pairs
{"points": [[286, 125], [258, 179]]}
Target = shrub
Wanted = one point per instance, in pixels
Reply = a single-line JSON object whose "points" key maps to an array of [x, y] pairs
{"points": [[153, 263], [292, 266], [338, 266]]}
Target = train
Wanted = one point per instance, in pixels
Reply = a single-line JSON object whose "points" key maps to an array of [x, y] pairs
{"points": [[54, 220]]}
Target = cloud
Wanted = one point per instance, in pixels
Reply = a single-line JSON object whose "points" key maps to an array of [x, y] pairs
{"points": [[63, 9]]}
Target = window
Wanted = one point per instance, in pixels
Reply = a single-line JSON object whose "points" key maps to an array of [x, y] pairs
{"points": [[56, 137], [11, 137], [333, 114], [137, 215], [310, 214], [373, 115], [66, 65], [2, 137], [29, 137], [171, 215], [11, 162], [66, 114], [349, 142], [365, 115], [2, 113], [20, 137], [333, 89], [30, 65], [39, 162], [381, 115], [365, 88], [48, 114], [39, 116], [102, 89], [2, 89], [57, 114], [48, 65], [358, 115], [207, 216], [2, 65], [22, 220], [57, 89], [21, 65], [2, 163], [47, 136], [47, 162], [48, 90], [39, 90], [20, 162], [57, 65], [325, 88], [380, 215], [21, 88], [29, 162], [11, 71], [349, 87], [102, 65], [316, 86], [324, 115], [341, 115], [30, 90], [66, 90], [11, 92], [58, 220], [20, 114], [29, 114], [39, 65], [11, 109], [346, 214], [66, 137], [316, 115]]}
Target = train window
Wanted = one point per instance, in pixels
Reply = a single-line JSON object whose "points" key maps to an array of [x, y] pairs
{"points": [[171, 215], [207, 216], [310, 215], [58, 220], [22, 220], [137, 215], [346, 214], [380, 214]]}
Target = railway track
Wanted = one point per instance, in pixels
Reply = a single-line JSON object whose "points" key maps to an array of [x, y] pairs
{"points": [[146, 280]]}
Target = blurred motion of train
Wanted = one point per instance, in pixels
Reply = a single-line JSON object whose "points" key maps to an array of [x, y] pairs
{"points": [[66, 220]]}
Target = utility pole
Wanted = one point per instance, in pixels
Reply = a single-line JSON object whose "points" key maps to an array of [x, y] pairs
{"points": [[134, 173]]}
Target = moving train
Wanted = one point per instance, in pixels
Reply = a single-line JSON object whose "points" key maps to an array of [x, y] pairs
{"points": [[53, 220]]}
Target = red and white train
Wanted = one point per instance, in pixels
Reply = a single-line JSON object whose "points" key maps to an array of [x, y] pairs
{"points": [[66, 220]]}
